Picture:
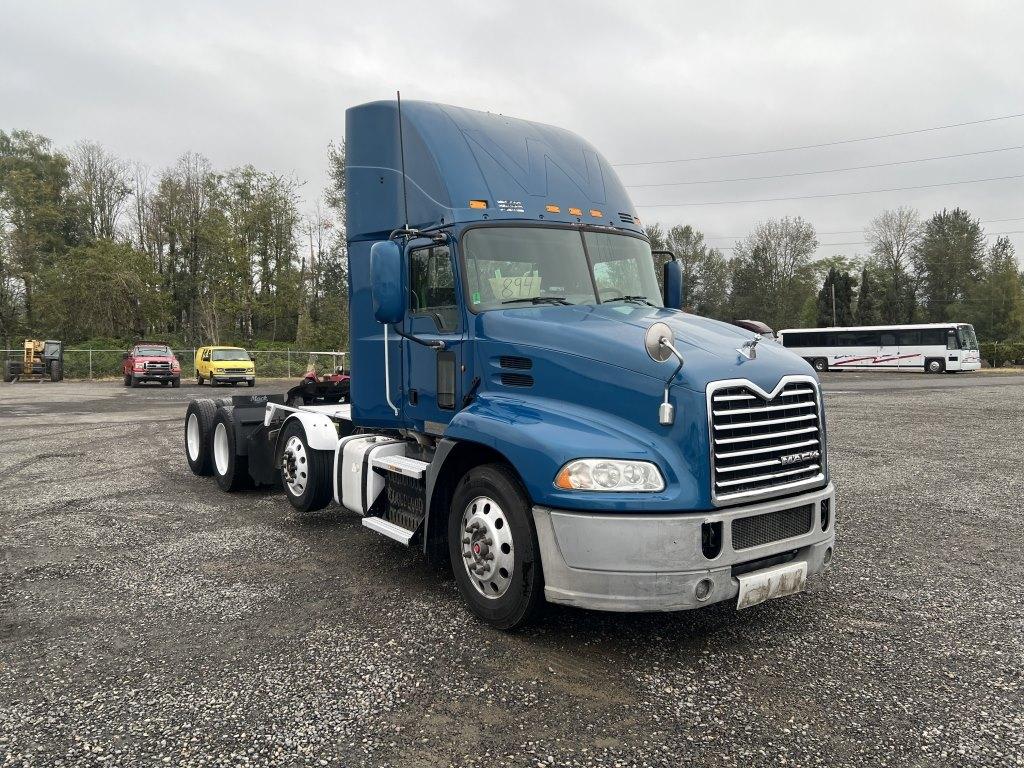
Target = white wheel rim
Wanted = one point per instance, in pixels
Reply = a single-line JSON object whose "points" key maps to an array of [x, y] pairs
{"points": [[220, 449], [295, 465], [488, 552], [192, 436]]}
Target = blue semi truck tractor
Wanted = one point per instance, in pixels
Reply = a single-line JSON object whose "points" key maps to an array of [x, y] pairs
{"points": [[526, 402]]}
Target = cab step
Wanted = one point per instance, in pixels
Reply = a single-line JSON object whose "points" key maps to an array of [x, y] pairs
{"points": [[389, 529], [402, 465]]}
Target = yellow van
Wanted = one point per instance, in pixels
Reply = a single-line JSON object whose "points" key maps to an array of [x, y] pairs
{"points": [[227, 365]]}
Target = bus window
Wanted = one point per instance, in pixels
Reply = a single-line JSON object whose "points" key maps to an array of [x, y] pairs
{"points": [[908, 338], [933, 337], [888, 339]]}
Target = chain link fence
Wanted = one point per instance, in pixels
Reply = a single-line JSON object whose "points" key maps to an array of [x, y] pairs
{"points": [[270, 363]]}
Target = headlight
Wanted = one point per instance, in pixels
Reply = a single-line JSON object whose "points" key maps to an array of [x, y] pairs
{"points": [[609, 475]]}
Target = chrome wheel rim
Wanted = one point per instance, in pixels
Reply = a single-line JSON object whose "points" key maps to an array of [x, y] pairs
{"points": [[220, 449], [488, 552], [295, 465], [192, 436]]}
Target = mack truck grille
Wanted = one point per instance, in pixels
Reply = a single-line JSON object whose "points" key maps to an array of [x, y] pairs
{"points": [[764, 446]]}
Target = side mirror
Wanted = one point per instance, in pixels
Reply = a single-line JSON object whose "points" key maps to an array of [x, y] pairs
{"points": [[125, 356], [673, 297], [386, 282]]}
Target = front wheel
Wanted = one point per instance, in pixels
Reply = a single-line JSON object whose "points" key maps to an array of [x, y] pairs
{"points": [[252, 383], [176, 383], [199, 380], [934, 365], [820, 364], [134, 382], [492, 543], [9, 374], [305, 472]]}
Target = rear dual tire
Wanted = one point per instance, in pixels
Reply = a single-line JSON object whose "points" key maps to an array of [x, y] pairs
{"points": [[229, 468], [198, 436]]}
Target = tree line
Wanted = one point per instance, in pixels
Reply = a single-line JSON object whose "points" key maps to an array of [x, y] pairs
{"points": [[94, 247], [935, 270]]}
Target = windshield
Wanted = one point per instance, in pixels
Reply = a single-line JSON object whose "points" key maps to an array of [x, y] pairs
{"points": [[230, 354], [968, 340], [520, 266], [152, 351]]}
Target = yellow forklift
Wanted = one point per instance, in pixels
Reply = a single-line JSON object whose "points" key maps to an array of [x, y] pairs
{"points": [[40, 360]]}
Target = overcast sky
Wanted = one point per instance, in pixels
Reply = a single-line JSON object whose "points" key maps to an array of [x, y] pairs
{"points": [[268, 84]]}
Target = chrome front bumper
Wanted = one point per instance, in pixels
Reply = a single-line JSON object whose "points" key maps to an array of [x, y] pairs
{"points": [[642, 562]]}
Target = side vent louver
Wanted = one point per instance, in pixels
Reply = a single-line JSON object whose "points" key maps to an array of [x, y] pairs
{"points": [[625, 218], [509, 363], [517, 380], [516, 363]]}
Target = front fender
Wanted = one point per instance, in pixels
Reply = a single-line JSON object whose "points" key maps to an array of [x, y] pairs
{"points": [[538, 436]]}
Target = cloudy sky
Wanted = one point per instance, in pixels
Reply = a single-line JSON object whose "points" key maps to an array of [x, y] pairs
{"points": [[268, 84]]}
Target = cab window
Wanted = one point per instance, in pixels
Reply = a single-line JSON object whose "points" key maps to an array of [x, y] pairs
{"points": [[432, 286]]}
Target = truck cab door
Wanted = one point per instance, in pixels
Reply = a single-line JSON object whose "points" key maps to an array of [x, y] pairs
{"points": [[431, 375]]}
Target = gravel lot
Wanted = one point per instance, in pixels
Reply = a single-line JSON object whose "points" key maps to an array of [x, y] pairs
{"points": [[146, 618]]}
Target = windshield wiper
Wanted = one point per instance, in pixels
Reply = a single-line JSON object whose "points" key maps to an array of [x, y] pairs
{"points": [[633, 299], [540, 300]]}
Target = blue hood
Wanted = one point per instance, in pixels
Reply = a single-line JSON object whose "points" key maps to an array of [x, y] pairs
{"points": [[614, 333]]}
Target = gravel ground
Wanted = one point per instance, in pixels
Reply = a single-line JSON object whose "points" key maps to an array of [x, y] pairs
{"points": [[146, 618]]}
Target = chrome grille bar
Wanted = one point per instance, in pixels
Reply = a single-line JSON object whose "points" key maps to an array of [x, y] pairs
{"points": [[765, 444]]}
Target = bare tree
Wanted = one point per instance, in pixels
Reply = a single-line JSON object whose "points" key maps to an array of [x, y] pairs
{"points": [[893, 237], [101, 182]]}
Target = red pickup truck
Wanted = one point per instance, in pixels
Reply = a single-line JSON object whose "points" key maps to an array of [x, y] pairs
{"points": [[151, 361]]}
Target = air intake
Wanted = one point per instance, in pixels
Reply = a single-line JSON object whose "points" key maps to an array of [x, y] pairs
{"points": [[625, 218]]}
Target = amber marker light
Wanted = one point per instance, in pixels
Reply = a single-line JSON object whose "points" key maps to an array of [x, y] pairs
{"points": [[575, 212], [596, 213], [552, 209], [478, 204]]}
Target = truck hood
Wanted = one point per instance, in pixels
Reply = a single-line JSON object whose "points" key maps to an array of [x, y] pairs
{"points": [[614, 334]]}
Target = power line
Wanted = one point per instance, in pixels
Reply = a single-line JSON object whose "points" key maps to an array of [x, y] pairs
{"points": [[829, 170], [823, 144], [865, 242], [831, 194], [858, 231]]}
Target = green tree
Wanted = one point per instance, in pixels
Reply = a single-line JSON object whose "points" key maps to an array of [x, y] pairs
{"points": [[835, 300], [40, 213], [868, 311], [104, 289], [950, 258], [772, 273], [998, 301]]}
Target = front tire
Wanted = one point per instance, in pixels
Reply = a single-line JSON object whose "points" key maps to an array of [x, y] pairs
{"points": [[305, 473], [230, 469], [820, 364], [135, 382], [198, 430], [252, 382], [199, 380], [56, 371], [176, 383], [9, 374], [492, 543], [934, 365]]}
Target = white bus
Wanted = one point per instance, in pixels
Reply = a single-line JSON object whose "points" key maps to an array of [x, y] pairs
{"points": [[928, 347]]}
